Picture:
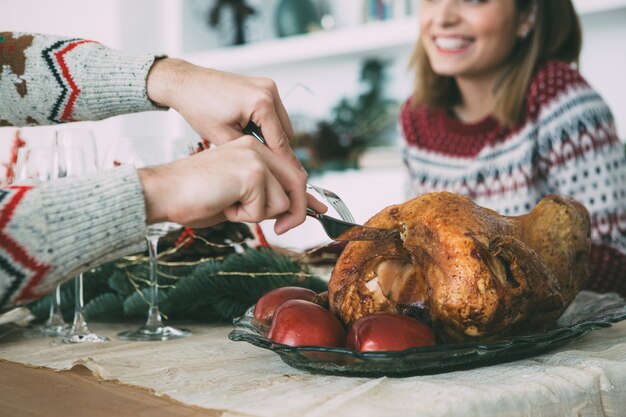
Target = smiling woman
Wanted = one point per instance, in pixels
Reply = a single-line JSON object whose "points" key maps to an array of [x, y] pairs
{"points": [[487, 46], [501, 114]]}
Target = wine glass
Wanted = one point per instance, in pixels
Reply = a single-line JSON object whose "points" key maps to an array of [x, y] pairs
{"points": [[36, 162], [142, 152], [77, 155]]}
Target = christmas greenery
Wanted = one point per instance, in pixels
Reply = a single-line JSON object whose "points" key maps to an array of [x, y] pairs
{"points": [[211, 290], [356, 123]]}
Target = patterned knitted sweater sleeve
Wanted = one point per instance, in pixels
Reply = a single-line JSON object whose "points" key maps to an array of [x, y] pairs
{"points": [[581, 155], [49, 80], [50, 232]]}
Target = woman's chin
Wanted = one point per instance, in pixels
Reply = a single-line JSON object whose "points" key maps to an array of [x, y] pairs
{"points": [[447, 70]]}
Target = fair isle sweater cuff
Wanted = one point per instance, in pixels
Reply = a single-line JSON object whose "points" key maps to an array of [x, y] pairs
{"points": [[51, 79], [113, 83], [89, 220]]}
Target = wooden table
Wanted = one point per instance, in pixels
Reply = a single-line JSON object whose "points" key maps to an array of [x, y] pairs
{"points": [[214, 376], [44, 392]]}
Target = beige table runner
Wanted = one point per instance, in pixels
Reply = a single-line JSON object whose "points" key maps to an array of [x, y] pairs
{"points": [[586, 378]]}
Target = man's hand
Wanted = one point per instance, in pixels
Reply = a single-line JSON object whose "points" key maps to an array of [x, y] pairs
{"points": [[241, 181], [218, 105]]}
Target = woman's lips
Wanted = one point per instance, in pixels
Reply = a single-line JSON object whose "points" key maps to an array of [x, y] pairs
{"points": [[452, 44]]}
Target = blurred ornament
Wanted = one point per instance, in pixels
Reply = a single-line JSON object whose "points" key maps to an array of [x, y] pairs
{"points": [[355, 124], [241, 11], [18, 143], [296, 17]]}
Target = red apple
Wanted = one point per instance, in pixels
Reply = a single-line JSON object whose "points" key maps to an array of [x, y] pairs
{"points": [[303, 323], [267, 305], [388, 331]]}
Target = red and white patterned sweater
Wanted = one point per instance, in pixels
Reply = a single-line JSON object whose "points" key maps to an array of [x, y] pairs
{"points": [[566, 145], [50, 232]]}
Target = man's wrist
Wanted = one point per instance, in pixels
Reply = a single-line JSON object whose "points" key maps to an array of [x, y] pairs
{"points": [[164, 80], [150, 185]]}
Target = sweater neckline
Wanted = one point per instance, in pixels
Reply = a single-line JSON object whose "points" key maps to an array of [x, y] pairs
{"points": [[483, 126]]}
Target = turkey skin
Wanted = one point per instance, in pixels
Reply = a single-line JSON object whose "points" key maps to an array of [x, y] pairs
{"points": [[475, 274]]}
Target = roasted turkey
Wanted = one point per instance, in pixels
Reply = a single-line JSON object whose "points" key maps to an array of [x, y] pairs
{"points": [[475, 274]]}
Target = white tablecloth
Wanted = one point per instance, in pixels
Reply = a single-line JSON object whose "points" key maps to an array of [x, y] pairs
{"points": [[586, 378]]}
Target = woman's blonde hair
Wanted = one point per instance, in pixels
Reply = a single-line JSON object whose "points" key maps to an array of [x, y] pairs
{"points": [[556, 34]]}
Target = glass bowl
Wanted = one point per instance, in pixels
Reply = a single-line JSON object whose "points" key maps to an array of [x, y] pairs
{"points": [[588, 311]]}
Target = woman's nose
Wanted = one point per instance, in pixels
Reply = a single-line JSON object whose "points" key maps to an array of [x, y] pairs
{"points": [[446, 13]]}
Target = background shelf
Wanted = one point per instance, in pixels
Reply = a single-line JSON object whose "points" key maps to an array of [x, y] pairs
{"points": [[381, 39]]}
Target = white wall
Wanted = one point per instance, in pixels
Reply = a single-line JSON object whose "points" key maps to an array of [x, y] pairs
{"points": [[163, 26], [137, 25], [603, 60], [77, 18], [97, 20]]}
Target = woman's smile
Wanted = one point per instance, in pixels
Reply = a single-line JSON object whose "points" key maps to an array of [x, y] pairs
{"points": [[468, 39], [453, 44]]}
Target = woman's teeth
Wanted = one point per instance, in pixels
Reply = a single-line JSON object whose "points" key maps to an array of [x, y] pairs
{"points": [[451, 44]]}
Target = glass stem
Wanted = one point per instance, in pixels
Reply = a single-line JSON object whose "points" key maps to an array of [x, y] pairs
{"points": [[55, 319], [154, 315], [80, 325]]}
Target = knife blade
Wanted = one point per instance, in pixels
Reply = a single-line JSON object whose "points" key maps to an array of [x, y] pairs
{"points": [[344, 231], [336, 229]]}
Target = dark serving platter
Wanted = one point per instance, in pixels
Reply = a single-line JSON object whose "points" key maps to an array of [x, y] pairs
{"points": [[588, 311]]}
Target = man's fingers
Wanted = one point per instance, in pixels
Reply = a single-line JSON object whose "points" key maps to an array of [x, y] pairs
{"points": [[275, 136], [282, 114], [276, 129], [277, 202], [297, 209], [250, 208], [315, 204], [291, 181], [263, 196]]}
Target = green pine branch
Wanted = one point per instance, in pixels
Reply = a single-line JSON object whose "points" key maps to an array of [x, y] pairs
{"points": [[209, 292]]}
